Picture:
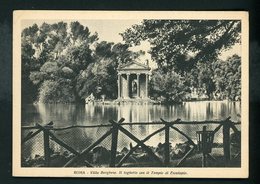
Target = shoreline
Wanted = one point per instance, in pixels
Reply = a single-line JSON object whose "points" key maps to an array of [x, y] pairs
{"points": [[116, 102]]}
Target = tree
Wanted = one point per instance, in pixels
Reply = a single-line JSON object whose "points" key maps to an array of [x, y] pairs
{"points": [[100, 77], [205, 78], [220, 79], [169, 86], [180, 44], [54, 55], [52, 91], [60, 55], [191, 48], [97, 79], [233, 78], [29, 91], [79, 33]]}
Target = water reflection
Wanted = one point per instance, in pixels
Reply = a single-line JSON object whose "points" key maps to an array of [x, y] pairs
{"points": [[69, 114]]}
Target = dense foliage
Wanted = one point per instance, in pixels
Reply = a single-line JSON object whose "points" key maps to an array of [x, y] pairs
{"points": [[217, 80], [180, 44], [168, 87], [65, 63], [186, 52]]}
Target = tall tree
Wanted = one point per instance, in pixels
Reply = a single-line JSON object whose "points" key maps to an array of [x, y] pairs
{"points": [[227, 78], [65, 63], [180, 44], [168, 87], [100, 77], [56, 54], [29, 91]]}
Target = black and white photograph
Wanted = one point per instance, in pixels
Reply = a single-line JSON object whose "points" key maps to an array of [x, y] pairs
{"points": [[130, 94]]}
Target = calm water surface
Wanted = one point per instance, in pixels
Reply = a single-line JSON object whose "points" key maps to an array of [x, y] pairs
{"points": [[70, 114]]}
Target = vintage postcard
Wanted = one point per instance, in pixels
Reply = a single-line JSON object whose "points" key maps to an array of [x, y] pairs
{"points": [[148, 94]]}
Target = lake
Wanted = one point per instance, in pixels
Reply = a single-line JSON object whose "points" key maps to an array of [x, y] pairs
{"points": [[71, 114]]}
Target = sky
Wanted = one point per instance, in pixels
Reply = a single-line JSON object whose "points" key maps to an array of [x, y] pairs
{"points": [[108, 30]]}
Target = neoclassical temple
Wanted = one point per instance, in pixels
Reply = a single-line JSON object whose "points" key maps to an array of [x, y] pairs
{"points": [[132, 81]]}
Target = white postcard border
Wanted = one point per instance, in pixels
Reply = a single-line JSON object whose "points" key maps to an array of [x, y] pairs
{"points": [[242, 172]]}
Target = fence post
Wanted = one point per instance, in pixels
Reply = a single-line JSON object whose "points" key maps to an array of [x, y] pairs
{"points": [[226, 141], [204, 143], [46, 143], [167, 145], [114, 144]]}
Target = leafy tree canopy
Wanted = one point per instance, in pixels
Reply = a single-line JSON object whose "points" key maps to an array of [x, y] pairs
{"points": [[64, 62], [61, 55], [179, 44]]}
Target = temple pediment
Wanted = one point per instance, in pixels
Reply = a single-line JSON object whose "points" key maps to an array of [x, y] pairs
{"points": [[134, 66]]}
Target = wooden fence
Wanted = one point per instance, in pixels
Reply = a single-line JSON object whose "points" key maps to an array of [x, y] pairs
{"points": [[116, 127]]}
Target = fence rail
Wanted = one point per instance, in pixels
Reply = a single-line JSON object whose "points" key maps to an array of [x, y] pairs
{"points": [[133, 123], [118, 127]]}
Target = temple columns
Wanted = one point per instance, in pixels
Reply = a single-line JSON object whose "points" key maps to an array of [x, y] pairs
{"points": [[138, 85], [119, 86], [146, 85], [124, 83], [127, 85]]}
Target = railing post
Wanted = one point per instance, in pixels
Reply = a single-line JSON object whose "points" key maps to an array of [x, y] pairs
{"points": [[114, 141], [167, 145], [46, 143], [226, 141], [204, 143]]}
